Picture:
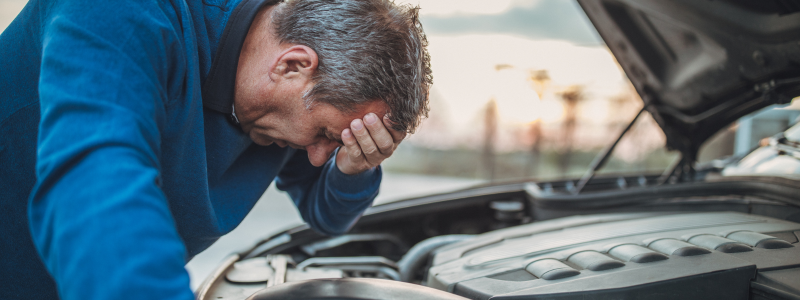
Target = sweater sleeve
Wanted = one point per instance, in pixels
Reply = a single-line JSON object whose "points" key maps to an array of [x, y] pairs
{"points": [[328, 200], [98, 217]]}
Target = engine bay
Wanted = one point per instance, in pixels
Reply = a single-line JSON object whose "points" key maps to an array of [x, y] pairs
{"points": [[616, 256], [734, 238], [652, 255]]}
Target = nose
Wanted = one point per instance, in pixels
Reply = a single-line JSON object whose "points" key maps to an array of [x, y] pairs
{"points": [[319, 153]]}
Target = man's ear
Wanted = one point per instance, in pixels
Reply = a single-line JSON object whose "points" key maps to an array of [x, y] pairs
{"points": [[295, 62]]}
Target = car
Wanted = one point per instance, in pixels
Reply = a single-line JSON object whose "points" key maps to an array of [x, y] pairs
{"points": [[714, 231]]}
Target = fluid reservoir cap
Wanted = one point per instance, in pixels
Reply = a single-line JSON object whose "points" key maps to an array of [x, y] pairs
{"points": [[252, 270], [551, 269]]}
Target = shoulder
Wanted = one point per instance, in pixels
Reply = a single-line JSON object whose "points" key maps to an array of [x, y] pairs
{"points": [[120, 22], [119, 40]]}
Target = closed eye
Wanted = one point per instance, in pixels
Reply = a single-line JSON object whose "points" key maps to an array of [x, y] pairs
{"points": [[326, 134]]}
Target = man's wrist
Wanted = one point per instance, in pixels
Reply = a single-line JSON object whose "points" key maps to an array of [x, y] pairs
{"points": [[361, 185]]}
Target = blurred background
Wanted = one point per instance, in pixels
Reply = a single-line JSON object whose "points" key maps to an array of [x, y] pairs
{"points": [[522, 89]]}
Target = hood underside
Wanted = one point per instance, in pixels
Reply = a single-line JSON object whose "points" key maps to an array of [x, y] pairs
{"points": [[699, 65]]}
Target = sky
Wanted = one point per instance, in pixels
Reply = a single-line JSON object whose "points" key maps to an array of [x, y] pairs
{"points": [[467, 41], [531, 19]]}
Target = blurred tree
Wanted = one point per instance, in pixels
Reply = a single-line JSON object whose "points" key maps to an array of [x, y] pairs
{"points": [[540, 80], [500, 67]]}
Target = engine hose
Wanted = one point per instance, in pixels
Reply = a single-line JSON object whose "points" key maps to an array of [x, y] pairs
{"points": [[417, 255]]}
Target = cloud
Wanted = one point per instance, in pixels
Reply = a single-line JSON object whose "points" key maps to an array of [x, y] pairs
{"points": [[545, 19]]}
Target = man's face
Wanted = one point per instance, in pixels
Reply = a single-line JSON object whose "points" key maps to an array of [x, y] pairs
{"points": [[280, 116]]}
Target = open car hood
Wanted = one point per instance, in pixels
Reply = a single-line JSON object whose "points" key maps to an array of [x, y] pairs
{"points": [[700, 65]]}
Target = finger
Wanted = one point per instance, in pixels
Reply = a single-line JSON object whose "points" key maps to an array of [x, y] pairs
{"points": [[380, 135], [351, 145], [397, 136], [368, 147]]}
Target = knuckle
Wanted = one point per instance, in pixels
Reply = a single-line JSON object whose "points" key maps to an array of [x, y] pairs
{"points": [[386, 146], [374, 126], [370, 151], [361, 133], [388, 152], [354, 153]]}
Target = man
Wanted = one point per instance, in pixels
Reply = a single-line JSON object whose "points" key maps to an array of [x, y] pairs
{"points": [[133, 134]]}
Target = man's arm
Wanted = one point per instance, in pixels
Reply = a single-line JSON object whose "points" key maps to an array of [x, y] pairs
{"points": [[332, 199], [328, 200], [98, 217]]}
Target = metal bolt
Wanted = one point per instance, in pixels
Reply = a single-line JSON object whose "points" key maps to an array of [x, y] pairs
{"points": [[760, 58]]}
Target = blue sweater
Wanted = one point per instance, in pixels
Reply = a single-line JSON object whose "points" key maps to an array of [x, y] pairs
{"points": [[118, 159]]}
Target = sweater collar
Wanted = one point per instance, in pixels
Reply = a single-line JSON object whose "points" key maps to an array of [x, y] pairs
{"points": [[218, 90]]}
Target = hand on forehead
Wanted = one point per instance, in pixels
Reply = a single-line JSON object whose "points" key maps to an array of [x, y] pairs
{"points": [[368, 141], [346, 120]]}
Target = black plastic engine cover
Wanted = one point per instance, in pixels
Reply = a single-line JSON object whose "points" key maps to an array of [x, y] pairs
{"points": [[619, 256]]}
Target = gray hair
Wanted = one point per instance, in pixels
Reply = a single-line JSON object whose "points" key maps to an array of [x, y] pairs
{"points": [[367, 50]]}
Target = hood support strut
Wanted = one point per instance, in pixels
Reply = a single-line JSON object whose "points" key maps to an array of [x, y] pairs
{"points": [[682, 170], [601, 159]]}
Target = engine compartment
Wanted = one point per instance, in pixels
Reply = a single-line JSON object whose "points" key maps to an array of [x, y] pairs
{"points": [[518, 242], [612, 256], [616, 256]]}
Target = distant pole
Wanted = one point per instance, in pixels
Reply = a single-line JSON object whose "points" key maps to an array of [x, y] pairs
{"points": [[571, 97], [489, 139], [539, 79], [535, 134]]}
